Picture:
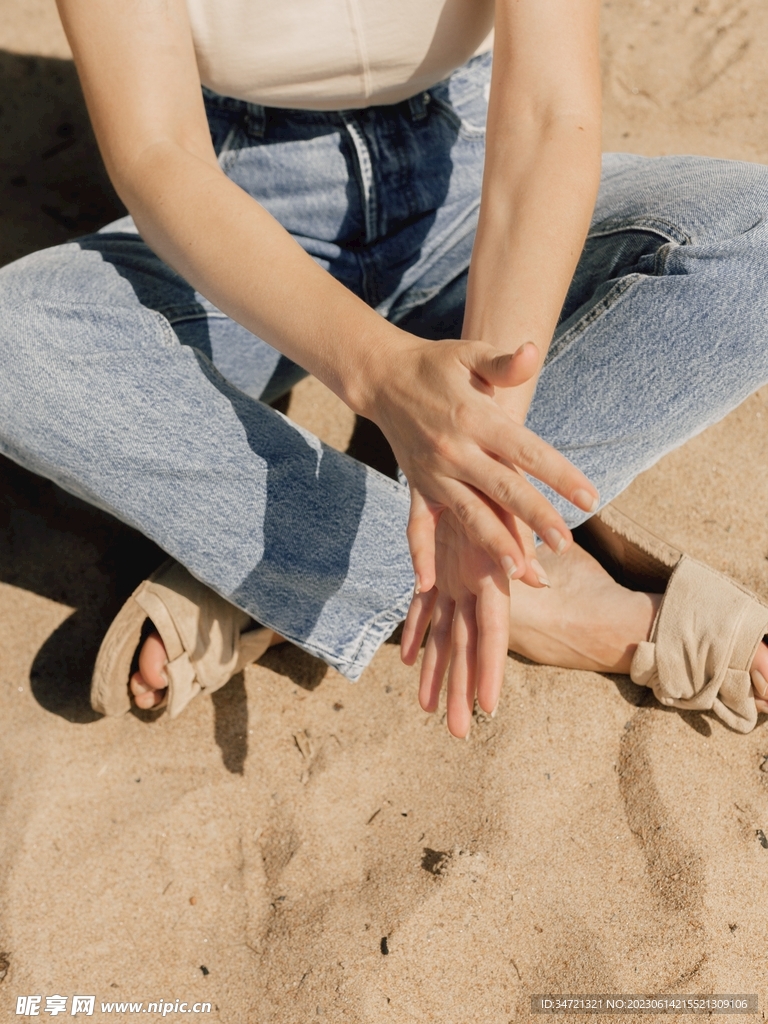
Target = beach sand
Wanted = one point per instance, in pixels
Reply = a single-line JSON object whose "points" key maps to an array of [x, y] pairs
{"points": [[298, 848]]}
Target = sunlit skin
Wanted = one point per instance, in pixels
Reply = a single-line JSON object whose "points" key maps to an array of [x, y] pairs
{"points": [[453, 411], [584, 620]]}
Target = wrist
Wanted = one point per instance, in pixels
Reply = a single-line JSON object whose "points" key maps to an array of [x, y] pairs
{"points": [[362, 379], [515, 402]]}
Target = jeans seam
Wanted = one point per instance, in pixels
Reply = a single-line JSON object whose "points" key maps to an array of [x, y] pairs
{"points": [[609, 301], [442, 245], [227, 155], [662, 256], [367, 180], [371, 637], [185, 318], [654, 225]]}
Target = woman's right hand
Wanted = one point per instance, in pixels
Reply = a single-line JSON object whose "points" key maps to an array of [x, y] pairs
{"points": [[460, 450]]}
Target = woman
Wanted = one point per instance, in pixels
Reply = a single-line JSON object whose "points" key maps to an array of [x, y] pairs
{"points": [[319, 206]]}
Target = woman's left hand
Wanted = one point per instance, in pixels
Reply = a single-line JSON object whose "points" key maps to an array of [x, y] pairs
{"points": [[469, 636]]}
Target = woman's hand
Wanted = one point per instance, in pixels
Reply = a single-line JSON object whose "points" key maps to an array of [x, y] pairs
{"points": [[469, 610], [542, 169], [460, 450]]}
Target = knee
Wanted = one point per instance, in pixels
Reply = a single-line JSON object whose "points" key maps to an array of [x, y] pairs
{"points": [[693, 200], [722, 200], [67, 274]]}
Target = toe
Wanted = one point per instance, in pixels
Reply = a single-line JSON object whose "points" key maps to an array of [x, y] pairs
{"points": [[759, 673], [152, 662], [149, 683], [144, 696]]}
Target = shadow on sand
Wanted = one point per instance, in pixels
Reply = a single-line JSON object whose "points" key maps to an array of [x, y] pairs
{"points": [[53, 187]]}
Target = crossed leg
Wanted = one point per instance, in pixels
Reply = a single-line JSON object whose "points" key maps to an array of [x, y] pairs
{"points": [[585, 620], [662, 334]]}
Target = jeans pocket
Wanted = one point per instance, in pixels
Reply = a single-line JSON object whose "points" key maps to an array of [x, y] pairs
{"points": [[464, 128], [232, 147], [462, 99]]}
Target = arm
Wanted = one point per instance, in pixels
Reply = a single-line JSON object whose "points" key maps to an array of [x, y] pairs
{"points": [[137, 65], [542, 171]]}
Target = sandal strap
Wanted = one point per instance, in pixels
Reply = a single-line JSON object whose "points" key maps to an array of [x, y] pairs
{"points": [[207, 639], [200, 630], [705, 636], [635, 557]]}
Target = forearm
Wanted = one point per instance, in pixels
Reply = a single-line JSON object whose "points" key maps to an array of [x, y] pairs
{"points": [[237, 255], [542, 172], [148, 115], [532, 228]]}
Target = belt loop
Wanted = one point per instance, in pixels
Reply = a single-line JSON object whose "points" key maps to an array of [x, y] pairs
{"points": [[255, 120], [418, 106]]}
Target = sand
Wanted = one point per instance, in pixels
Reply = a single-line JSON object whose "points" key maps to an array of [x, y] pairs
{"points": [[263, 851]]}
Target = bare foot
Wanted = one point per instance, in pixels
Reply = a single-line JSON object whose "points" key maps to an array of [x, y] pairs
{"points": [[587, 620], [148, 685], [759, 675]]}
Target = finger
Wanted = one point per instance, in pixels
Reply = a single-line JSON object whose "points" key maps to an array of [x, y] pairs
{"points": [[501, 369], [535, 575], [416, 622], [492, 617], [520, 448], [510, 491], [437, 654], [485, 527], [461, 674], [422, 522]]}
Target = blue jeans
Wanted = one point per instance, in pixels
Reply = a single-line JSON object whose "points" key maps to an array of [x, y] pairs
{"points": [[131, 390]]}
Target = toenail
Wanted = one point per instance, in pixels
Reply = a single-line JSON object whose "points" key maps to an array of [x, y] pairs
{"points": [[759, 682]]}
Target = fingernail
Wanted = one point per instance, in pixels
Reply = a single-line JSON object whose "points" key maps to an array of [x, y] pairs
{"points": [[493, 713], [555, 540], [759, 682], [585, 500], [508, 566], [541, 576], [417, 585]]}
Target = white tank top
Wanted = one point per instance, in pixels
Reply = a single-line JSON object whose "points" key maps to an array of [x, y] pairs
{"points": [[334, 54]]}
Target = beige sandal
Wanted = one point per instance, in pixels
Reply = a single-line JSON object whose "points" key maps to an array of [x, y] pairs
{"points": [[208, 641], [706, 631]]}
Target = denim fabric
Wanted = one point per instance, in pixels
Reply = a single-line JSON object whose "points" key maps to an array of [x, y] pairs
{"points": [[665, 327], [131, 390]]}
